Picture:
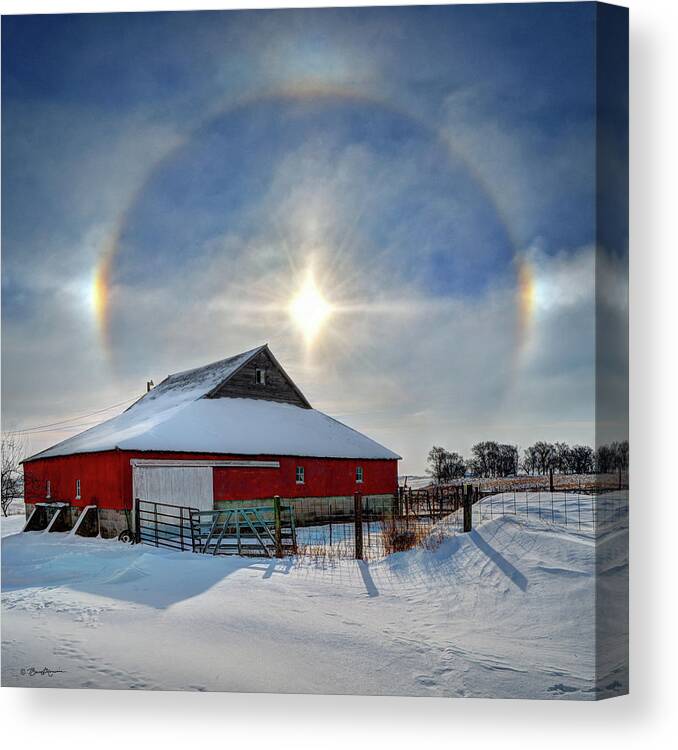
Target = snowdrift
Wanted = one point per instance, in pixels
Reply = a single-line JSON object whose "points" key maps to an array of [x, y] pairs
{"points": [[506, 611]]}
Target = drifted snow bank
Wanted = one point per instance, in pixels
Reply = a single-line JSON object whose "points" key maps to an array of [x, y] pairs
{"points": [[505, 611]]}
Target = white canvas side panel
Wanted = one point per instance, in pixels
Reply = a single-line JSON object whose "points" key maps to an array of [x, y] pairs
{"points": [[175, 485]]}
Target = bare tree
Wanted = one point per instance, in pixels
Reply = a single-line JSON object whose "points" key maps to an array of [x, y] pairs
{"points": [[544, 453], [455, 466], [562, 458], [605, 459], [507, 460], [13, 452], [530, 462], [485, 458], [581, 459], [445, 466], [620, 451]]}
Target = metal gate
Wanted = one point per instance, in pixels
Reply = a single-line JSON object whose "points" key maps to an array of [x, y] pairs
{"points": [[261, 531], [164, 525], [267, 531]]}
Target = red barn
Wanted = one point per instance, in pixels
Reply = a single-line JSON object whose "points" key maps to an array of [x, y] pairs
{"points": [[237, 430]]}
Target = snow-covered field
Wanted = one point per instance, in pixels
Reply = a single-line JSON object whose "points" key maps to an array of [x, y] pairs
{"points": [[506, 611], [415, 482]]}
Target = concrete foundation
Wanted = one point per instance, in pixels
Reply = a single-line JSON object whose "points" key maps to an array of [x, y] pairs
{"points": [[112, 522], [106, 522]]}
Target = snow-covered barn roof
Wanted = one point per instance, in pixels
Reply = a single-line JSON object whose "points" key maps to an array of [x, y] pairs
{"points": [[180, 414], [203, 381]]}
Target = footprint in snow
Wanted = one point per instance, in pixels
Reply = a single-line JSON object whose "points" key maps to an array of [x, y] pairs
{"points": [[560, 688]]}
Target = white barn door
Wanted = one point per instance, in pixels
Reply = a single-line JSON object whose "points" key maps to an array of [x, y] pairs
{"points": [[175, 485]]}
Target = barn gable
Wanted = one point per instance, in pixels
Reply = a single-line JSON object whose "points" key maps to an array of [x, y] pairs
{"points": [[260, 377]]}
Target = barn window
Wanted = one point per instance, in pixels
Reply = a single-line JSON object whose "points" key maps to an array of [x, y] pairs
{"points": [[300, 474], [77, 489], [260, 376], [48, 490], [359, 474]]}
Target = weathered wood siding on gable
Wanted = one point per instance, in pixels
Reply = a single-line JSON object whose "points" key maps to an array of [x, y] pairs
{"points": [[243, 383]]}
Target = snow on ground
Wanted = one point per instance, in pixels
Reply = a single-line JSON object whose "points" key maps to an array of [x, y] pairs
{"points": [[505, 611], [415, 482], [17, 508]]}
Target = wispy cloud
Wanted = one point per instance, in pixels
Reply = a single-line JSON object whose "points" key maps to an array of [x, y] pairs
{"points": [[411, 189]]}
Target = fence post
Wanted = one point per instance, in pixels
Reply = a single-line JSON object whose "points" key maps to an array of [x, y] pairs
{"points": [[358, 524], [468, 499], [551, 480], [278, 526]]}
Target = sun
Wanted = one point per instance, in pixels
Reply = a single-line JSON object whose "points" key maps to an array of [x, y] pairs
{"points": [[309, 309]]}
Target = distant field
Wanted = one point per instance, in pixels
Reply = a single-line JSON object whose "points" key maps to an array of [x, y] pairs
{"points": [[585, 482]]}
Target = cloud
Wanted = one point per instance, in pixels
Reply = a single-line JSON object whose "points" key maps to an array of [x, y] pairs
{"points": [[426, 344], [413, 372], [405, 366], [542, 177]]}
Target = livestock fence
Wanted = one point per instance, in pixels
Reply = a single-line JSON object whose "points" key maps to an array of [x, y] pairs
{"points": [[375, 527], [370, 528], [364, 527], [592, 511], [255, 531]]}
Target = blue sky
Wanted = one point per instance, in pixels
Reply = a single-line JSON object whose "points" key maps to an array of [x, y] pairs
{"points": [[412, 159]]}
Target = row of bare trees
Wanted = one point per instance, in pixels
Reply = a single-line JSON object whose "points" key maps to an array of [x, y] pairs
{"points": [[492, 459]]}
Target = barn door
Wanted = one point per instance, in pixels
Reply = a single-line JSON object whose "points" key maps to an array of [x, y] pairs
{"points": [[189, 486]]}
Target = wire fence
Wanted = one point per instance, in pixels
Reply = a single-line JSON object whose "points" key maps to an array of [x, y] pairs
{"points": [[326, 528], [371, 527], [593, 511], [424, 517]]}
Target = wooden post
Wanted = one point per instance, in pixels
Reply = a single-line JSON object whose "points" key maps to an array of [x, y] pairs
{"points": [[278, 526], [550, 480], [468, 500], [358, 524]]}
